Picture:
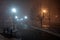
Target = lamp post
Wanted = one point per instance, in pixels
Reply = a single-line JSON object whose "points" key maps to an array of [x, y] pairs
{"points": [[13, 17], [43, 12]]}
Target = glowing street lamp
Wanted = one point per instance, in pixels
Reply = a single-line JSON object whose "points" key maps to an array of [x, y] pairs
{"points": [[13, 10], [44, 11], [25, 17], [16, 17]]}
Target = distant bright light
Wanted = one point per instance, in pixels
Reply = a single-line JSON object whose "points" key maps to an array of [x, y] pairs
{"points": [[56, 16], [16, 17], [25, 17], [21, 19], [14, 10], [44, 11]]}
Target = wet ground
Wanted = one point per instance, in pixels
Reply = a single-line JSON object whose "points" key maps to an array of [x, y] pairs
{"points": [[33, 34]]}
